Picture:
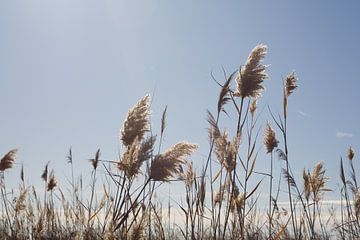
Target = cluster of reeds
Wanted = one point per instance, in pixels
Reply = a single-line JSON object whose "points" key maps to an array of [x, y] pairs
{"points": [[124, 210], [222, 201]]}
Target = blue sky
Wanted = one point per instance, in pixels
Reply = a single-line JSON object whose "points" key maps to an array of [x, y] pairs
{"points": [[70, 70]]}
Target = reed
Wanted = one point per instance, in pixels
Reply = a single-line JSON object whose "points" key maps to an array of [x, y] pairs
{"points": [[223, 199]]}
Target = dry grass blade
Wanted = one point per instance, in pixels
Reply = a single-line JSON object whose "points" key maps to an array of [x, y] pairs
{"points": [[137, 122], [270, 140], [70, 156], [163, 121], [95, 161], [213, 130], [44, 175], [290, 83], [342, 173], [167, 164], [252, 74], [22, 173], [8, 160], [281, 154], [224, 93]]}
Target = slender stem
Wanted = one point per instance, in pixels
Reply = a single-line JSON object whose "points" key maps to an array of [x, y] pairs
{"points": [[3, 193], [238, 132], [270, 195], [92, 196], [287, 168], [151, 193]]}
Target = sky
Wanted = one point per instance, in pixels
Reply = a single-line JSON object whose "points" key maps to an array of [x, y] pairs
{"points": [[70, 70]]}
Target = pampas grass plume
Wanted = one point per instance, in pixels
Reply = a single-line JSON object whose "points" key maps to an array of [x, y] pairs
{"points": [[252, 74], [7, 161], [137, 122], [169, 163], [270, 140]]}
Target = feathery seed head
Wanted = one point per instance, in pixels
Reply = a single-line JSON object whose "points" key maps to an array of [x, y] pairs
{"points": [[21, 201], [135, 156], [270, 140], [7, 161], [351, 153], [307, 184], [52, 182], [129, 161], [190, 175], [252, 74], [137, 122], [253, 107], [290, 83], [226, 150], [169, 163]]}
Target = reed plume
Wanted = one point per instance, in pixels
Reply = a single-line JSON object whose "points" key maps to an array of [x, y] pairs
{"points": [[166, 165], [52, 182], [252, 74], [137, 122], [314, 182], [307, 184], [270, 140], [135, 156], [226, 151], [21, 201], [253, 107], [351, 153], [8, 160], [290, 83], [189, 175]]}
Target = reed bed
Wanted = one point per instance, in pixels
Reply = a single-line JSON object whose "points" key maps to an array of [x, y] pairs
{"points": [[221, 199]]}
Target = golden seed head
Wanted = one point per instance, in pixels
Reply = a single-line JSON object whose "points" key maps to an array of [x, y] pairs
{"points": [[252, 74], [307, 184], [21, 201], [253, 107], [135, 155], [166, 165], [7, 161], [190, 175], [290, 83], [270, 140], [351, 153], [137, 122], [52, 182]]}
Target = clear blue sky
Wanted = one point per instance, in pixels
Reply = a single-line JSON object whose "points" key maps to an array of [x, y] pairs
{"points": [[69, 71]]}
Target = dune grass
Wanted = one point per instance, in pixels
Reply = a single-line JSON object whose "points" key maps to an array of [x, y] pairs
{"points": [[221, 200]]}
